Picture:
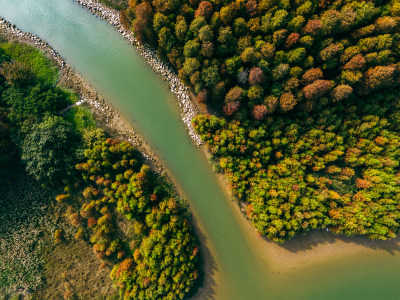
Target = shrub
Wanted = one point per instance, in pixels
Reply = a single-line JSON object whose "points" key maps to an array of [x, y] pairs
{"points": [[49, 151], [17, 73], [202, 96]]}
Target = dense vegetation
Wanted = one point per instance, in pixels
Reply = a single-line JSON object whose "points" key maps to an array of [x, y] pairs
{"points": [[308, 93], [159, 259], [136, 223]]}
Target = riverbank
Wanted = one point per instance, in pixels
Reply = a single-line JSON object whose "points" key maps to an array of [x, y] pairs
{"points": [[185, 99], [107, 117]]}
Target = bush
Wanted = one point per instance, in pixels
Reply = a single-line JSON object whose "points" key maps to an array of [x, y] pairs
{"points": [[49, 150]]}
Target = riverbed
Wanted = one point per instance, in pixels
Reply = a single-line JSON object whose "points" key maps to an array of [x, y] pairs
{"points": [[240, 265]]}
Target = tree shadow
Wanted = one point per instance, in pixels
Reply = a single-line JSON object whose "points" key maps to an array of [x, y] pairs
{"points": [[206, 285], [312, 239]]}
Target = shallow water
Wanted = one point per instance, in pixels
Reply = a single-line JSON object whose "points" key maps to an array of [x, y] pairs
{"points": [[118, 72]]}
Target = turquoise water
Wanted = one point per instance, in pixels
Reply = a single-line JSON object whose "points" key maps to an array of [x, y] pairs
{"points": [[118, 72]]}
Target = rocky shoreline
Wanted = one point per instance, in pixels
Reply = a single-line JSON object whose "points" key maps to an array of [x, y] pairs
{"points": [[106, 116], [188, 107]]}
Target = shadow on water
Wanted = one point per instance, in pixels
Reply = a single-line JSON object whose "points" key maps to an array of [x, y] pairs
{"points": [[312, 239], [206, 283]]}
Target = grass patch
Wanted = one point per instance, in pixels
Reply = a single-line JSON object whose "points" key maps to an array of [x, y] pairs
{"points": [[25, 220], [41, 66], [72, 266], [81, 117]]}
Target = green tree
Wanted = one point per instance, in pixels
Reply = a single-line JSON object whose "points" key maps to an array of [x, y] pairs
{"points": [[49, 150]]}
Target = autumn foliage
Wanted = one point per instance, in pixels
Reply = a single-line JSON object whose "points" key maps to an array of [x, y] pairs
{"points": [[305, 48], [308, 91], [115, 182]]}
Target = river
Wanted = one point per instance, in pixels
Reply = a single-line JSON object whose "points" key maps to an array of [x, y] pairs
{"points": [[238, 268]]}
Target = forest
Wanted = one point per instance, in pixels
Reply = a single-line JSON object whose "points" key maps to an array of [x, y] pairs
{"points": [[135, 222], [307, 128]]}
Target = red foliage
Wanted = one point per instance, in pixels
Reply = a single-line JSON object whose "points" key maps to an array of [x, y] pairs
{"points": [[256, 76], [111, 142], [202, 96], [120, 254], [313, 27], [249, 211], [92, 222], [311, 75], [363, 184], [292, 39], [379, 140], [172, 204], [317, 89], [287, 101], [124, 19], [136, 254], [144, 12], [324, 3], [195, 251], [144, 15], [385, 24], [357, 62], [348, 172], [259, 112], [205, 10], [379, 76], [124, 267], [231, 108], [251, 8], [363, 31]]}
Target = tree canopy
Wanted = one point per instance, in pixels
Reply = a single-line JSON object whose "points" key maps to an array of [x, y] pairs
{"points": [[307, 89]]}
